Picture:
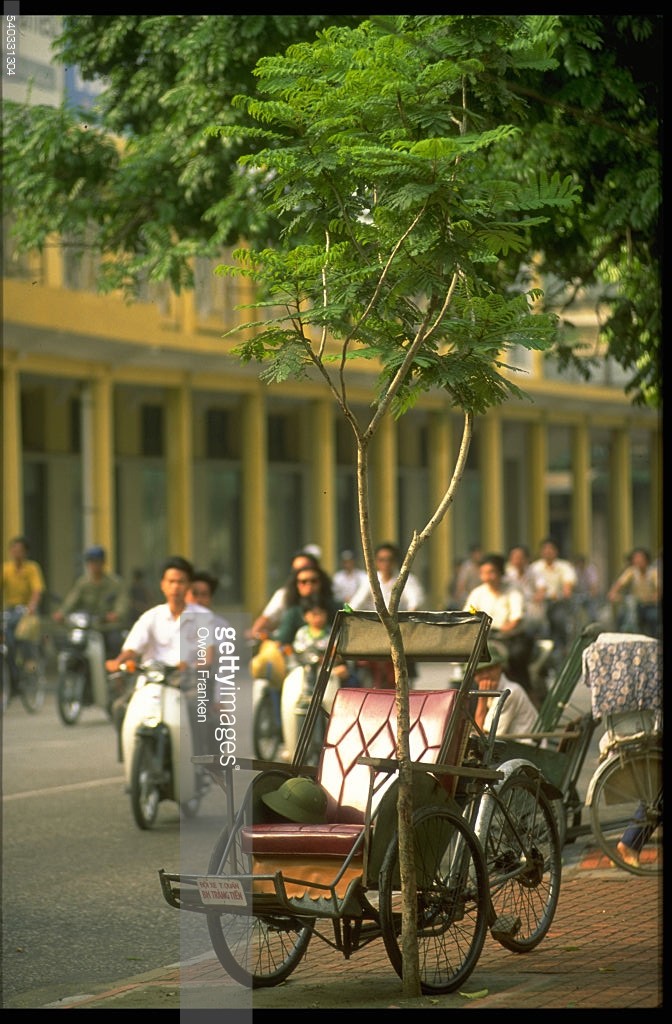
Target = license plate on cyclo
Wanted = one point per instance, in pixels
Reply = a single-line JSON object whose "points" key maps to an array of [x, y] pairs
{"points": [[221, 892]]}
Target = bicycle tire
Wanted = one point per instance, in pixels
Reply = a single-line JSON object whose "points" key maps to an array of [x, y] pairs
{"points": [[452, 900], [626, 779], [523, 857]]}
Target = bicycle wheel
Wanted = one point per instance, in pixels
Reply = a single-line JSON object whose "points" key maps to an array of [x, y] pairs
{"points": [[451, 899], [266, 728], [522, 853], [259, 951], [628, 794], [33, 682]]}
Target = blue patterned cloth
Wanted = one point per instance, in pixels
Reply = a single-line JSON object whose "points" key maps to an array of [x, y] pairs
{"points": [[624, 673]]}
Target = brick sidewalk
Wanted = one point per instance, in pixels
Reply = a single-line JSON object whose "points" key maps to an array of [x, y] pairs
{"points": [[604, 950]]}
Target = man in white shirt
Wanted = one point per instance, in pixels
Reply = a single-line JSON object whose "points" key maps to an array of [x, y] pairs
{"points": [[518, 716], [174, 633], [554, 581], [412, 598], [347, 580], [387, 565]]}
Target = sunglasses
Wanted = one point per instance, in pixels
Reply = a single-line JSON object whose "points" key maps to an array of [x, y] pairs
{"points": [[307, 579]]}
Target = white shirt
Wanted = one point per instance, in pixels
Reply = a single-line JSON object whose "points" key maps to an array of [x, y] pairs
{"points": [[506, 606], [346, 584], [412, 598], [157, 636], [519, 714], [552, 578]]}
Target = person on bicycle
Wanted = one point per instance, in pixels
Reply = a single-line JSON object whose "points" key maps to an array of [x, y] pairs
{"points": [[102, 594], [22, 589]]}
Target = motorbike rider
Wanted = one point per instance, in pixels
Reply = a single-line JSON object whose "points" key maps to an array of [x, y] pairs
{"points": [[102, 595], [172, 633], [22, 590]]}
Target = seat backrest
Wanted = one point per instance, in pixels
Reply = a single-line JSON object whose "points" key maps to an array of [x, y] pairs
{"points": [[364, 723]]}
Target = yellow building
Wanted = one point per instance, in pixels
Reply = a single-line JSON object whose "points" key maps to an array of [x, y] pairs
{"points": [[133, 426]]}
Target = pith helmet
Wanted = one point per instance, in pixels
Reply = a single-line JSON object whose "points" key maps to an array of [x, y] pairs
{"points": [[298, 800]]}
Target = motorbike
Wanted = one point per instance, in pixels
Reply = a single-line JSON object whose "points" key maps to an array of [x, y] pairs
{"points": [[297, 691], [81, 677], [157, 745]]}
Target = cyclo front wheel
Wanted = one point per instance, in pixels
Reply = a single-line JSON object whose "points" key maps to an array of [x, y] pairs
{"points": [[258, 951], [451, 899], [524, 863], [627, 794]]}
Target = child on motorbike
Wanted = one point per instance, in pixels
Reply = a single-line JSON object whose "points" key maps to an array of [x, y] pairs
{"points": [[310, 644]]}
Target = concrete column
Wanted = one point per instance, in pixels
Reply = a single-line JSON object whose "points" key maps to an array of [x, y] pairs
{"points": [[537, 497], [322, 457], [98, 465], [620, 499], [582, 532], [492, 484], [441, 464], [179, 467], [383, 483], [254, 501], [12, 473]]}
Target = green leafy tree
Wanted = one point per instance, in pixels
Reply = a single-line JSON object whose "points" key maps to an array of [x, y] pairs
{"points": [[375, 149], [598, 116], [171, 193]]}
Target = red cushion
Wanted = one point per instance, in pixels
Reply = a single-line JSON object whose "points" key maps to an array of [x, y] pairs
{"points": [[286, 839]]}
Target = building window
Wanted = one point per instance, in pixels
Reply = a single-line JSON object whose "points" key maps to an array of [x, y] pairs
{"points": [[217, 434], [151, 427]]}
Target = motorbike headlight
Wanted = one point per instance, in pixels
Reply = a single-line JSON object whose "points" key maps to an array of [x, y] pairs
{"points": [[79, 619], [78, 637]]}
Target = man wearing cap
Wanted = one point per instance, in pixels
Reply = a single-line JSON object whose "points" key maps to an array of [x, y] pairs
{"points": [[101, 594], [519, 715]]}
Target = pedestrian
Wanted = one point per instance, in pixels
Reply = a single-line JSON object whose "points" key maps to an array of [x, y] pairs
{"points": [[638, 586], [554, 583], [468, 574], [386, 556], [102, 595], [504, 602], [347, 580], [587, 590]]}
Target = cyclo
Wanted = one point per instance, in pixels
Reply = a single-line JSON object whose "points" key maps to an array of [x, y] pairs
{"points": [[486, 845]]}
